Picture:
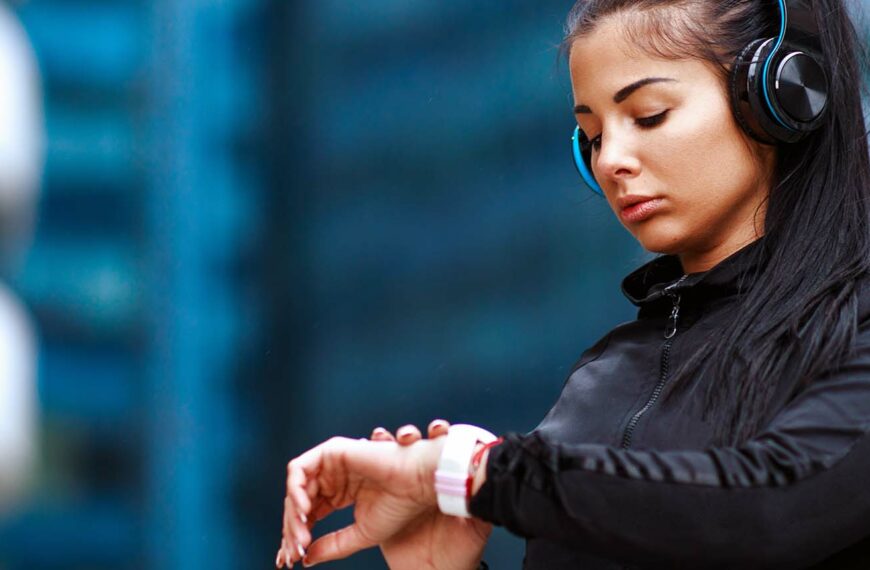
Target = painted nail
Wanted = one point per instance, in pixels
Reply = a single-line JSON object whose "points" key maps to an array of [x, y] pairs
{"points": [[278, 559], [300, 550], [288, 561], [303, 518]]}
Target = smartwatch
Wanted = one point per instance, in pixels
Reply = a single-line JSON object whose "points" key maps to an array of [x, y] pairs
{"points": [[453, 478]]}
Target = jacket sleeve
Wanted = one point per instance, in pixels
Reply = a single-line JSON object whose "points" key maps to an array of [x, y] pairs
{"points": [[790, 497]]}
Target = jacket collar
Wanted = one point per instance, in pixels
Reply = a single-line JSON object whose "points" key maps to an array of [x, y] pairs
{"points": [[646, 284]]}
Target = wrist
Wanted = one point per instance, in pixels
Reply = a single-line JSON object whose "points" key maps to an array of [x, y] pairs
{"points": [[479, 473], [461, 455], [430, 467]]}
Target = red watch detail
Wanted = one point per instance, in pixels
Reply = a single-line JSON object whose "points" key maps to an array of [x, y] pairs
{"points": [[475, 463]]}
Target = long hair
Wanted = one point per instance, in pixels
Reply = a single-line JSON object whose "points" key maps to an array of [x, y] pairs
{"points": [[797, 315]]}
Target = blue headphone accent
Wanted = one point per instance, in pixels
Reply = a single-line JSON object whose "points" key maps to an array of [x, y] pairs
{"points": [[781, 108], [783, 16], [577, 141]]}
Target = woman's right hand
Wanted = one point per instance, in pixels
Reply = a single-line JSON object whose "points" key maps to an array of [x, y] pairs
{"points": [[461, 541]]}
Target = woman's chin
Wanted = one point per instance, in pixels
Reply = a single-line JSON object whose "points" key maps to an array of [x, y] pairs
{"points": [[659, 240]]}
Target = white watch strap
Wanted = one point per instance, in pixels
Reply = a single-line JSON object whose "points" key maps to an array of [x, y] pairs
{"points": [[451, 477]]}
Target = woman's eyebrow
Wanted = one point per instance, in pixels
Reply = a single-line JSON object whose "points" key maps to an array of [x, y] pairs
{"points": [[626, 92]]}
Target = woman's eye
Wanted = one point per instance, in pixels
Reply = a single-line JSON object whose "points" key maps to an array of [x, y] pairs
{"points": [[647, 122], [595, 143], [643, 122], [587, 144]]}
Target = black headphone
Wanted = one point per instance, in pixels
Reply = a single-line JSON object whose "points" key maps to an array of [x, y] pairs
{"points": [[778, 86]]}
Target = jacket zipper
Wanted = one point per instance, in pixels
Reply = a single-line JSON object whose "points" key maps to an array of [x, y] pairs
{"points": [[670, 332]]}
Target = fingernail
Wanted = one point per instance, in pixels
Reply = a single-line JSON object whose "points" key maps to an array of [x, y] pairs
{"points": [[300, 550], [307, 563], [403, 433], [278, 559], [380, 430], [303, 518]]}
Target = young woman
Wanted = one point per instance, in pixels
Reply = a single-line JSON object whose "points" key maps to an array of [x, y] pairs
{"points": [[726, 427]]}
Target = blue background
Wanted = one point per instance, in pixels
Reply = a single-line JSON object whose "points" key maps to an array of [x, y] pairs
{"points": [[266, 222]]}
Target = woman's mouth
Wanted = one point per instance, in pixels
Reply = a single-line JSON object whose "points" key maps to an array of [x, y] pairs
{"points": [[640, 211]]}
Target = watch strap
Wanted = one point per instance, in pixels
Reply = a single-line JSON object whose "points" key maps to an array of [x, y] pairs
{"points": [[452, 478]]}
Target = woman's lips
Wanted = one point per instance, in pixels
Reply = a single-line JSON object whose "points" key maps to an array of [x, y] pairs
{"points": [[641, 210]]}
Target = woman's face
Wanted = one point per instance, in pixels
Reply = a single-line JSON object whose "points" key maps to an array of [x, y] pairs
{"points": [[673, 142]]}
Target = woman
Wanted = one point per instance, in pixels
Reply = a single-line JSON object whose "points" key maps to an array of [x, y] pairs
{"points": [[726, 427]]}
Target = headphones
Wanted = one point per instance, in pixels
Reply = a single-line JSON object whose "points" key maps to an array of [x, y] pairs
{"points": [[778, 86]]}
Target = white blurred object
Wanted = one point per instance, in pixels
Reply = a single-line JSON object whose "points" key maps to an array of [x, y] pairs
{"points": [[22, 138], [17, 399], [22, 151]]}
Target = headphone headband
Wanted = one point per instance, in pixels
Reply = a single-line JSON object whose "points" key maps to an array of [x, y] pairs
{"points": [[801, 28], [798, 37]]}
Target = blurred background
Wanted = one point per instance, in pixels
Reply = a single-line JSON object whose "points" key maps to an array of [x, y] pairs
{"points": [[233, 229]]}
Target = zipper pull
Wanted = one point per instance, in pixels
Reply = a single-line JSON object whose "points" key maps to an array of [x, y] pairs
{"points": [[672, 320], [671, 329]]}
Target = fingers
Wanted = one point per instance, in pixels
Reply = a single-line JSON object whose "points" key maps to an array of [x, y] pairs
{"points": [[291, 550], [291, 547], [408, 434], [320, 509], [303, 488], [287, 555], [296, 532], [380, 434], [437, 428], [335, 545]]}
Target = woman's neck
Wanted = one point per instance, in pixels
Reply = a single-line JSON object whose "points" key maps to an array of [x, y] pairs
{"points": [[698, 262]]}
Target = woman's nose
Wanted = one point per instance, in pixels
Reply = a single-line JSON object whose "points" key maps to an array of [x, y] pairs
{"points": [[616, 159]]}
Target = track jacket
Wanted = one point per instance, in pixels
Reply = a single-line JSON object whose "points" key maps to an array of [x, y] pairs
{"points": [[614, 478]]}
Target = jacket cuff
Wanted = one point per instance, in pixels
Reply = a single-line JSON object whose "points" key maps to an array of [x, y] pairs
{"points": [[507, 469]]}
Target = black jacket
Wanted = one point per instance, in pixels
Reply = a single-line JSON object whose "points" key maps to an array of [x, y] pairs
{"points": [[614, 477]]}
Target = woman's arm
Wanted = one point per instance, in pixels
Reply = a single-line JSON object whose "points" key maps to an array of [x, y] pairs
{"points": [[793, 495]]}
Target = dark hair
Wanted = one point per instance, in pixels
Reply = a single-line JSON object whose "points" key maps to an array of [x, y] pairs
{"points": [[798, 314]]}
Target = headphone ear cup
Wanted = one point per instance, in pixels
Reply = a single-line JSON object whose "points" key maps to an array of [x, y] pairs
{"points": [[796, 97], [799, 91], [745, 88], [582, 151]]}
